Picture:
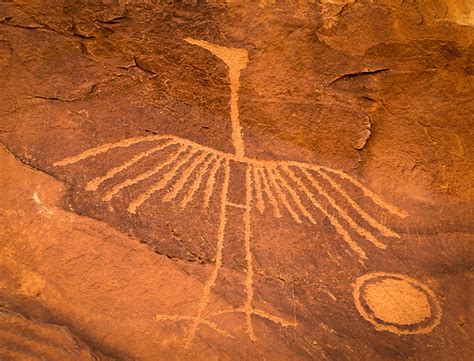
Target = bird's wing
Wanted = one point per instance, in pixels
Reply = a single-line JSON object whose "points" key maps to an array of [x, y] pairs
{"points": [[183, 169], [304, 191]]}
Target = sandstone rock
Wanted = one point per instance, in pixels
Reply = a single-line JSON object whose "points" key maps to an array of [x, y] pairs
{"points": [[237, 180], [22, 339]]}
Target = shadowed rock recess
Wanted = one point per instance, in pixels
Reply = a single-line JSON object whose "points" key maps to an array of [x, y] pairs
{"points": [[236, 180]]}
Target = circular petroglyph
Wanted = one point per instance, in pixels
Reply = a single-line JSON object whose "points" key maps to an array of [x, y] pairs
{"points": [[396, 303]]}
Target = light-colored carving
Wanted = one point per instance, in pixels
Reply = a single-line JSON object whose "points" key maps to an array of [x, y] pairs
{"points": [[167, 178], [258, 190], [269, 193], [105, 148], [258, 312], [396, 303], [334, 222], [236, 60], [281, 195], [367, 217], [94, 184], [211, 181], [208, 323], [130, 182], [368, 193], [183, 177], [218, 262], [363, 232], [198, 180], [293, 194], [285, 188], [248, 306]]}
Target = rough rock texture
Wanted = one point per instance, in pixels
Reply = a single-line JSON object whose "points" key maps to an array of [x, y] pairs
{"points": [[23, 339], [283, 252]]}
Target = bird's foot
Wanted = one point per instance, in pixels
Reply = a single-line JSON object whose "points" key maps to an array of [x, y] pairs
{"points": [[250, 311], [193, 319]]}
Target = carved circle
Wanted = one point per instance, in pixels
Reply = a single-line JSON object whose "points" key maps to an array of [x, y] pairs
{"points": [[396, 303]]}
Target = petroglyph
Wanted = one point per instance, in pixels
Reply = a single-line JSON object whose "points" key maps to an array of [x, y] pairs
{"points": [[105, 148], [94, 184], [334, 222], [293, 194], [259, 313], [197, 181], [129, 182], [186, 171], [178, 186], [42, 209], [236, 60], [368, 193], [372, 221], [396, 303], [211, 181], [208, 323], [269, 193], [281, 195], [248, 254], [362, 231], [209, 285]]}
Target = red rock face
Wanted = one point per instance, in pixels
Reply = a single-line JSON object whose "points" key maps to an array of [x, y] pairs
{"points": [[240, 181], [24, 339]]}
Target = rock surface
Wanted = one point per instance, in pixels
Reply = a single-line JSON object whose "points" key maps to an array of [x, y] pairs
{"points": [[23, 339], [236, 180]]}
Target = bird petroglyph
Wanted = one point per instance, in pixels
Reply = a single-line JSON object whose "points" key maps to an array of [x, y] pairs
{"points": [[194, 172]]}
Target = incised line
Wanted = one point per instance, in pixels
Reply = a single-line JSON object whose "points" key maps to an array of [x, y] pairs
{"points": [[197, 181], [211, 180], [367, 217], [208, 323], [258, 190], [335, 223], [167, 178], [269, 193], [260, 313], [293, 195], [129, 182], [94, 184], [363, 232], [376, 199], [210, 283], [236, 205], [281, 195], [183, 178], [105, 148], [248, 253]]}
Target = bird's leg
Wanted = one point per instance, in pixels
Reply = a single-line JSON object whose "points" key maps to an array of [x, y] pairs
{"points": [[248, 308], [235, 218], [248, 253], [211, 281]]}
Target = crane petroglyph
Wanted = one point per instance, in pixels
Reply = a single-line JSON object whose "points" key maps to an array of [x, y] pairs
{"points": [[292, 189]]}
